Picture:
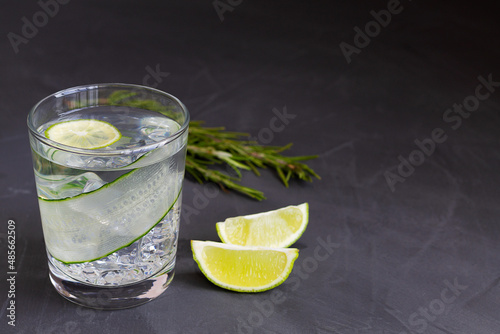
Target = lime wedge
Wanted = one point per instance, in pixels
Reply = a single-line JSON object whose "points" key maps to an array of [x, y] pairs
{"points": [[243, 269], [83, 133], [277, 228]]}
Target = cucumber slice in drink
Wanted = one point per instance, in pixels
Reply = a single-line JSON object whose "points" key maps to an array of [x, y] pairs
{"points": [[92, 225]]}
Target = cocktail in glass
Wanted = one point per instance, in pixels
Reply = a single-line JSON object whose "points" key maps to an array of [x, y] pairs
{"points": [[110, 207]]}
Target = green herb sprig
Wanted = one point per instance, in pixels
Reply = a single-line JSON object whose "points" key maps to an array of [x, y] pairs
{"points": [[212, 147]]}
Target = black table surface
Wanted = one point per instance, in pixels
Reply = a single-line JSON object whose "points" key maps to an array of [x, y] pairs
{"points": [[399, 99]]}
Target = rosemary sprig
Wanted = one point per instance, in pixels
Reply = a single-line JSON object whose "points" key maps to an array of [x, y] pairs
{"points": [[213, 146]]}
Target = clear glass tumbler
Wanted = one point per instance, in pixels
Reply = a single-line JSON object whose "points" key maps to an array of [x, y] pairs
{"points": [[109, 164]]}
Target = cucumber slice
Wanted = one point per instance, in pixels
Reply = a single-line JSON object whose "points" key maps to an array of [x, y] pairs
{"points": [[92, 225]]}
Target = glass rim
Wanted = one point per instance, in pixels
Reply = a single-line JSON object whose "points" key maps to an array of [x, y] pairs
{"points": [[113, 152]]}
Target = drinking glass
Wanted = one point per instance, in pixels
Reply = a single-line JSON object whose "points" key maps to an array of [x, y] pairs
{"points": [[110, 213]]}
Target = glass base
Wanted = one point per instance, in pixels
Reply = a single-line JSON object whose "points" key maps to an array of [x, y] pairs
{"points": [[112, 297]]}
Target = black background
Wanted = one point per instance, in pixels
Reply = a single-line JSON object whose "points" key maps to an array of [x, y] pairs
{"points": [[422, 257]]}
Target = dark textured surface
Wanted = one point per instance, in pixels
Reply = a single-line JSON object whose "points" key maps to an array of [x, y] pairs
{"points": [[422, 257]]}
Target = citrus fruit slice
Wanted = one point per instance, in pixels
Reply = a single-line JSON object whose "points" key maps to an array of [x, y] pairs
{"points": [[243, 269], [83, 133], [277, 228]]}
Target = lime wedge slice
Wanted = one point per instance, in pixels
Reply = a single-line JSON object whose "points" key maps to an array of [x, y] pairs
{"points": [[243, 269], [83, 133], [277, 228]]}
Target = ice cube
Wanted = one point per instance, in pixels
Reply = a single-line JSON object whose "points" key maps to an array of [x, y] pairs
{"points": [[63, 186], [93, 183], [157, 129], [120, 161], [95, 163]]}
